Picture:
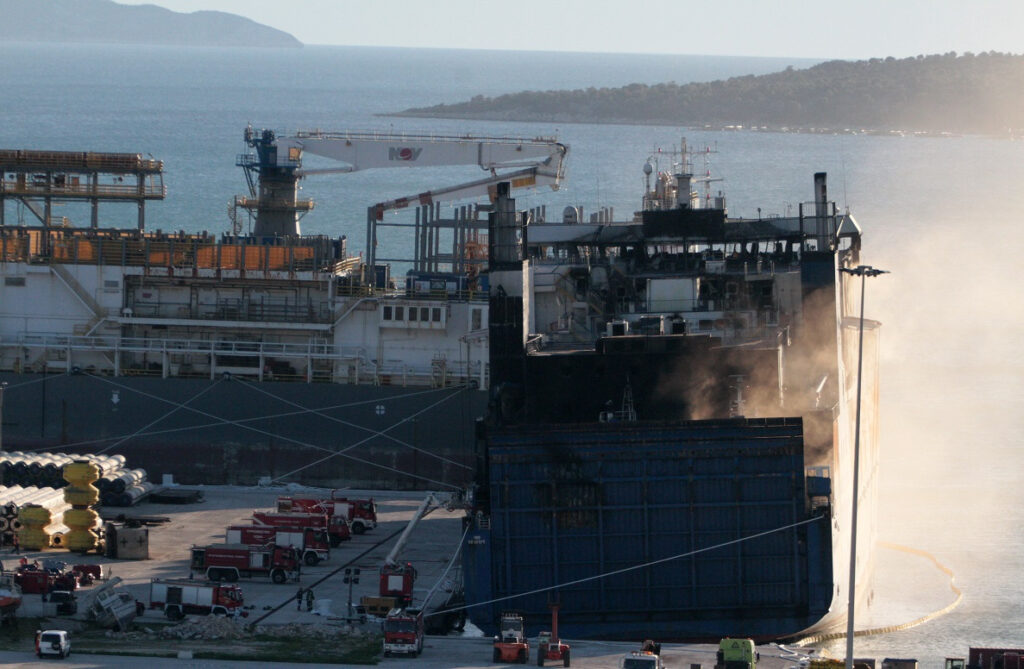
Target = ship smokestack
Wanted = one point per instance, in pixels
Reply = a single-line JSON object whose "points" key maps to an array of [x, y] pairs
{"points": [[820, 195], [509, 312], [505, 233], [683, 190], [821, 213]]}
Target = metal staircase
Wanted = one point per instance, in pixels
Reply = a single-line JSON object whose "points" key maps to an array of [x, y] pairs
{"points": [[69, 281]]}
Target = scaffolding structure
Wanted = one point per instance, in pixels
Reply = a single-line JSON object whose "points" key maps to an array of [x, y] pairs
{"points": [[39, 179]]}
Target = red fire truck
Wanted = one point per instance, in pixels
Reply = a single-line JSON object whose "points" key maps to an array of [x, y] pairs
{"points": [[403, 632], [35, 580], [397, 581], [228, 562], [361, 514], [337, 527], [313, 544], [176, 598]]}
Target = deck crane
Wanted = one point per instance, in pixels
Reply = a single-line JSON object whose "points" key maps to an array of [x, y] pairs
{"points": [[273, 172]]}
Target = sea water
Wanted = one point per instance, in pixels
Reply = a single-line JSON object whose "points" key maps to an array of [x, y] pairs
{"points": [[943, 215]]}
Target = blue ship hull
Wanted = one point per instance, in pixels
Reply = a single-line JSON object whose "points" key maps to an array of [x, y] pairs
{"points": [[641, 527]]}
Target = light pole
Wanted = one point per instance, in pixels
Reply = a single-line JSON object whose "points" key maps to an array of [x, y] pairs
{"points": [[351, 577], [863, 271]]}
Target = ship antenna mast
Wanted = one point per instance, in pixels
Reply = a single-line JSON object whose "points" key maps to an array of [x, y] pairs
{"points": [[628, 409]]}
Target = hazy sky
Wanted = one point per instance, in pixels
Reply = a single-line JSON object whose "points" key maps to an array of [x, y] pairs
{"points": [[848, 29]]}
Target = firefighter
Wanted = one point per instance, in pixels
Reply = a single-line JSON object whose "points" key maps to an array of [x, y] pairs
{"points": [[309, 599], [298, 599]]}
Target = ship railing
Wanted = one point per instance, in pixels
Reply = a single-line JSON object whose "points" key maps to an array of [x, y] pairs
{"points": [[465, 295], [318, 361], [362, 290], [51, 340], [405, 294], [83, 162], [700, 263], [234, 310], [345, 266], [218, 346], [767, 264], [278, 203], [454, 373], [74, 188]]}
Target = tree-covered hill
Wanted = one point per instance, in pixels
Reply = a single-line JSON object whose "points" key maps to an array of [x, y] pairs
{"points": [[107, 22], [969, 93]]}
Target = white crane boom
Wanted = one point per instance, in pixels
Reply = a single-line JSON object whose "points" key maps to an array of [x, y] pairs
{"points": [[278, 164], [525, 178], [376, 150]]}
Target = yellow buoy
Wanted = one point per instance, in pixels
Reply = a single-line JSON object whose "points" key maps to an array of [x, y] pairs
{"points": [[81, 494], [33, 519]]}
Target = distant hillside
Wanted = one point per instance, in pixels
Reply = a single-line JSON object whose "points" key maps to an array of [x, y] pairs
{"points": [[981, 93], [104, 21]]}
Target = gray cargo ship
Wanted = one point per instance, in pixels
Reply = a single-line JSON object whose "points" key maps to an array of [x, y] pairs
{"points": [[260, 352]]}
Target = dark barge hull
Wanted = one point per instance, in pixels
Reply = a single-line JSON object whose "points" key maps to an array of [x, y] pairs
{"points": [[574, 502], [235, 431]]}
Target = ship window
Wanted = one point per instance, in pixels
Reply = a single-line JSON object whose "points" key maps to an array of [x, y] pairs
{"points": [[477, 322], [399, 313], [424, 314], [14, 281], [436, 314], [412, 314], [387, 313]]}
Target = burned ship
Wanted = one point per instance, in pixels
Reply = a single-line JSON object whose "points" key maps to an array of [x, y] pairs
{"points": [[669, 447]]}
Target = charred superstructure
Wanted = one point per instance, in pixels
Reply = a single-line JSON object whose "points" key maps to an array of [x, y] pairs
{"points": [[669, 444]]}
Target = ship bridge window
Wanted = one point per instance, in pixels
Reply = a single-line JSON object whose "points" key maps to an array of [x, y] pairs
{"points": [[14, 281], [413, 316]]}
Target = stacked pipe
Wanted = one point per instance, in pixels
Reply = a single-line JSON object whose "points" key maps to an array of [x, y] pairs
{"points": [[46, 469], [123, 488], [13, 499], [118, 485]]}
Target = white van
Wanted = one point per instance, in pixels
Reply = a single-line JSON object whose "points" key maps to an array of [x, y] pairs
{"points": [[53, 643]]}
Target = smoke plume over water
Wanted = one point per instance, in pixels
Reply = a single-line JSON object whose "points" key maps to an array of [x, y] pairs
{"points": [[952, 402]]}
